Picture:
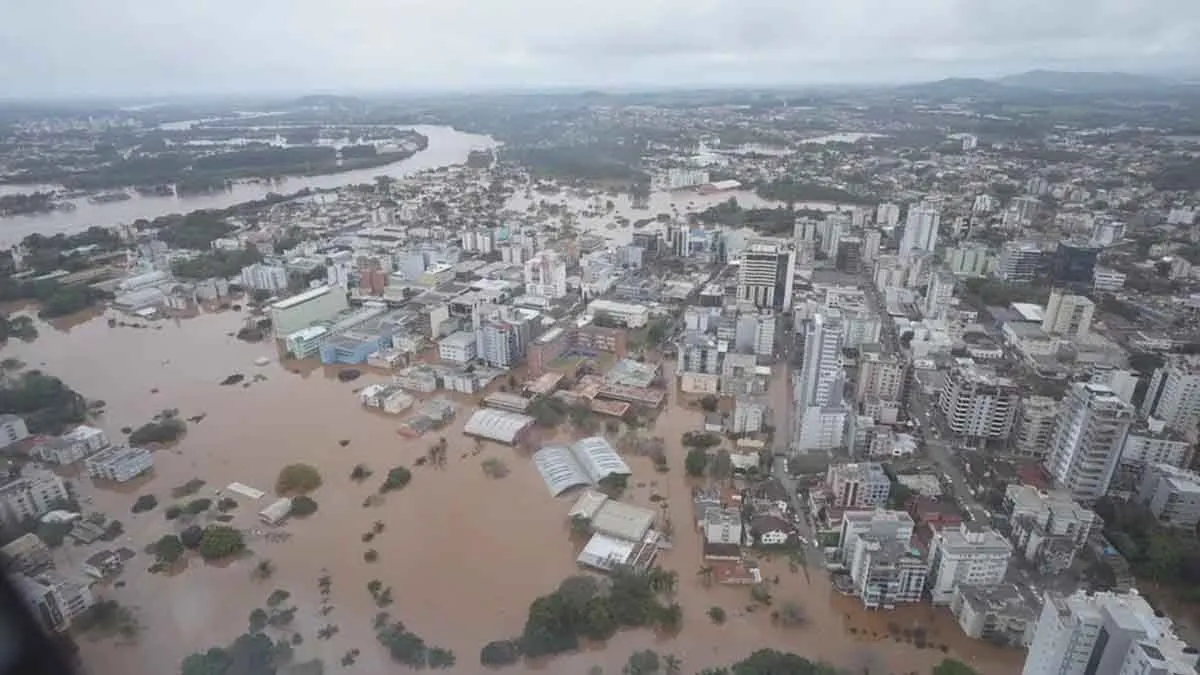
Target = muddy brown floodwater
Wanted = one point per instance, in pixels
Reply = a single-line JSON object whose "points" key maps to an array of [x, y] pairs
{"points": [[464, 554]]}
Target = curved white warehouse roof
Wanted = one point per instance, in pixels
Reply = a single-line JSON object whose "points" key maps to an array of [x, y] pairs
{"points": [[497, 425], [586, 462]]}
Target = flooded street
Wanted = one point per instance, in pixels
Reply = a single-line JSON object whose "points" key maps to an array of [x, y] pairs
{"points": [[465, 554]]}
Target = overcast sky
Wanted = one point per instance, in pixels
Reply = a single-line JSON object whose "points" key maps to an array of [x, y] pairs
{"points": [[147, 47]]}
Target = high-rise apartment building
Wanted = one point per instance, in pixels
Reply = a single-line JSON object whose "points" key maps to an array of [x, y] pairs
{"points": [[30, 496], [977, 403], [859, 485], [939, 295], [1089, 633], [820, 414], [920, 230], [1036, 420], [1020, 261], [1174, 394], [968, 554], [1068, 315], [880, 376], [887, 215], [1088, 439], [546, 276], [766, 272]]}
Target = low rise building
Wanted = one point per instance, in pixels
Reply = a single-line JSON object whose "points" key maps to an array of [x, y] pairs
{"points": [[119, 463], [627, 314], [1004, 614], [723, 526], [71, 446]]}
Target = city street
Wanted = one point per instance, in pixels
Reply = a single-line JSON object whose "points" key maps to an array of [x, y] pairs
{"points": [[941, 451]]}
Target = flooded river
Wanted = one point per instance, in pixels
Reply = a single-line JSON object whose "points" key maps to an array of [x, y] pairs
{"points": [[464, 554], [446, 146]]}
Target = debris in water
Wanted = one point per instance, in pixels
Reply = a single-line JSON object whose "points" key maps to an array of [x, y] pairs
{"points": [[196, 419], [261, 361], [232, 379], [245, 385], [349, 375], [344, 442], [260, 378], [421, 461], [154, 391]]}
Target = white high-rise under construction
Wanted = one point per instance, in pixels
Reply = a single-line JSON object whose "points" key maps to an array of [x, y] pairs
{"points": [[920, 230], [820, 411]]}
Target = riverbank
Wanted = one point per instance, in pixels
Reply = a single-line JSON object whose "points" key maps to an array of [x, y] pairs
{"points": [[464, 553], [446, 147]]}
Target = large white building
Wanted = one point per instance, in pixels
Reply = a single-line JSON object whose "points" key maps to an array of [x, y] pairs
{"points": [[766, 272], [263, 277], [970, 260], [880, 375], [1048, 528], [977, 403], [969, 554], [876, 548], [1105, 633], [920, 230], [755, 333], [546, 276], [1174, 394], [30, 496], [860, 485], [1172, 495], [1153, 442], [1088, 440], [939, 295], [304, 309], [627, 314], [1068, 315], [458, 347], [119, 463], [820, 413], [1019, 261]]}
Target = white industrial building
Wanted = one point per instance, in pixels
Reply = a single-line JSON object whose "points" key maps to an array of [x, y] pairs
{"points": [[968, 554], [304, 309], [1088, 440], [1089, 633], [585, 462], [502, 426]]}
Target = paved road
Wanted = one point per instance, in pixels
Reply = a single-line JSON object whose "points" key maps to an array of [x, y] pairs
{"points": [[941, 451]]}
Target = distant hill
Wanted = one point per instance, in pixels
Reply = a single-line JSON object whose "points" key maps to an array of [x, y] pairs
{"points": [[1081, 82], [954, 87]]}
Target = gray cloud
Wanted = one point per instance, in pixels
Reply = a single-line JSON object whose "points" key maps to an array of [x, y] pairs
{"points": [[145, 47]]}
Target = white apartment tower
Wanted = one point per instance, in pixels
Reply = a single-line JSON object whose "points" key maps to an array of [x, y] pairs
{"points": [[1174, 394], [765, 275], [937, 298], [968, 554], [820, 414], [546, 276], [1105, 633], [1068, 315], [1088, 439], [880, 376], [920, 230]]}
